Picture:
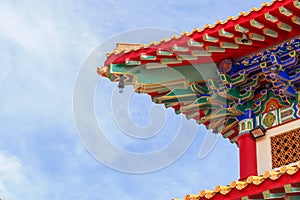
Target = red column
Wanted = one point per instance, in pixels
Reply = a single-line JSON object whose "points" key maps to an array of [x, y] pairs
{"points": [[248, 161]]}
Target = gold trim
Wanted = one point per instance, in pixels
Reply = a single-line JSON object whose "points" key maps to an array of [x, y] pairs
{"points": [[240, 185], [199, 30]]}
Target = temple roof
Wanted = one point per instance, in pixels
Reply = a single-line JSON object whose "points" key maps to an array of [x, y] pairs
{"points": [[276, 184], [221, 74], [265, 26]]}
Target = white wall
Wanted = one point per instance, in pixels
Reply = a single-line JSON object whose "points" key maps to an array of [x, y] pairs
{"points": [[263, 145]]}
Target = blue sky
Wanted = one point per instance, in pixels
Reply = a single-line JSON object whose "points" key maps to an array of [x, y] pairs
{"points": [[42, 48]]}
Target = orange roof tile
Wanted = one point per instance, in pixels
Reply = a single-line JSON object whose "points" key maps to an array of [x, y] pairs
{"points": [[271, 175]]}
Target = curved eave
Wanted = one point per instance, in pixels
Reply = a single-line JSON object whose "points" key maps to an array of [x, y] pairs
{"points": [[219, 46]]}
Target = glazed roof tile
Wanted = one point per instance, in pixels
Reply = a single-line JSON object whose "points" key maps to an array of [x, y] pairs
{"points": [[242, 185], [135, 47]]}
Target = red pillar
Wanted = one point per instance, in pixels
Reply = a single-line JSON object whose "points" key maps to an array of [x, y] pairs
{"points": [[248, 161]]}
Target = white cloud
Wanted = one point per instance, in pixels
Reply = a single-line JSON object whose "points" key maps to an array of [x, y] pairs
{"points": [[17, 27], [41, 51], [11, 176]]}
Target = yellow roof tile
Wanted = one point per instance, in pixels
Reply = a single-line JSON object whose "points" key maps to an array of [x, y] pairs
{"points": [[240, 185]]}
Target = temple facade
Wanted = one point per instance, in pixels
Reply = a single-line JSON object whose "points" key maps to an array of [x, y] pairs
{"points": [[239, 77]]}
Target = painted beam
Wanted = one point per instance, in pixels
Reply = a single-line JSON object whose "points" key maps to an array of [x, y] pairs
{"points": [[144, 56], [256, 24], [229, 45], [164, 53], [285, 11], [269, 195], [289, 189], [224, 33], [241, 29], [187, 57], [270, 33], [193, 43], [271, 18], [201, 53], [257, 37], [180, 48], [155, 66], [208, 38], [170, 61], [132, 62], [284, 26], [215, 49], [297, 4], [296, 20]]}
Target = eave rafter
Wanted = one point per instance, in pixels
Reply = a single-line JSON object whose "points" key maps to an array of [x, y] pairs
{"points": [[240, 90], [277, 20], [234, 39], [282, 18]]}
